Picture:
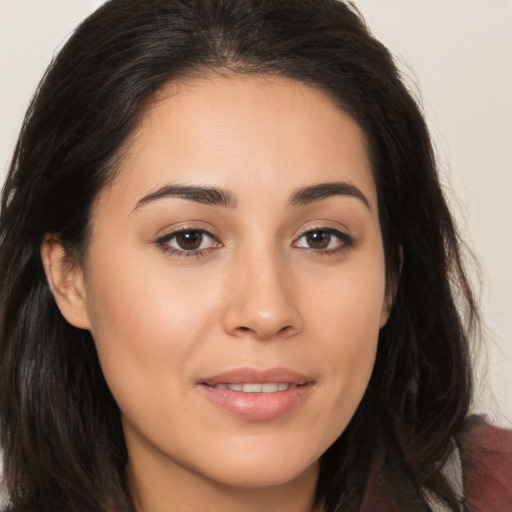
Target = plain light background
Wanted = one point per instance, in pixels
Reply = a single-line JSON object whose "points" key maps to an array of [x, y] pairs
{"points": [[457, 57]]}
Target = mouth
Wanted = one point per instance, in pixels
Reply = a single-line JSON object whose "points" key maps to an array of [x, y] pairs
{"points": [[257, 395]]}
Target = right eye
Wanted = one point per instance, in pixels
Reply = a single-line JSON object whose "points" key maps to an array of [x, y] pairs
{"points": [[188, 242]]}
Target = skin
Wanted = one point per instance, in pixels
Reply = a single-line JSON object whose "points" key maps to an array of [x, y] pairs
{"points": [[258, 294]]}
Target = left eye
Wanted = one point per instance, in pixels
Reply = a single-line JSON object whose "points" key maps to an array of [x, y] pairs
{"points": [[323, 240], [189, 240]]}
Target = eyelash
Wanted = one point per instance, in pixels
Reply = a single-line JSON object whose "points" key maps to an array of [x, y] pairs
{"points": [[165, 240], [345, 242]]}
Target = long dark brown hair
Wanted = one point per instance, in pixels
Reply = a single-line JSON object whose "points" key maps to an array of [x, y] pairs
{"points": [[62, 442]]}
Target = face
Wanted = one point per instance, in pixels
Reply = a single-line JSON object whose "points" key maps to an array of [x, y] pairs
{"points": [[234, 284]]}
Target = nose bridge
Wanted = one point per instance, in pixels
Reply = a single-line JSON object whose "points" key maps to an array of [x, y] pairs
{"points": [[260, 295]]}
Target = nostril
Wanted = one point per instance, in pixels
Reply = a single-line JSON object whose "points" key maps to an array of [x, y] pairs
{"points": [[283, 330]]}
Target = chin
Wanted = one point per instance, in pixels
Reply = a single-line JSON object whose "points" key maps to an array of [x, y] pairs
{"points": [[274, 475], [262, 469]]}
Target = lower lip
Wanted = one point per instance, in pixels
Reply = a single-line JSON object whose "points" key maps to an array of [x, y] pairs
{"points": [[258, 406]]}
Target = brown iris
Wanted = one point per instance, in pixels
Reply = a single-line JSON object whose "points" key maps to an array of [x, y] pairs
{"points": [[318, 239], [189, 240]]}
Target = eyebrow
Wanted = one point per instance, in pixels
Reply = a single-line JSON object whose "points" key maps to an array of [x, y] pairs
{"points": [[213, 196], [205, 195], [321, 191]]}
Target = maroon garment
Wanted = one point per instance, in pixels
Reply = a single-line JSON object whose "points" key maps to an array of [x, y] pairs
{"points": [[486, 456], [486, 453]]}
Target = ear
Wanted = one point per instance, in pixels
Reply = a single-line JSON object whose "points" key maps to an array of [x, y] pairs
{"points": [[391, 291], [386, 307], [66, 282]]}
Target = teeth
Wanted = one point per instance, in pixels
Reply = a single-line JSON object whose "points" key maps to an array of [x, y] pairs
{"points": [[268, 387], [252, 388]]}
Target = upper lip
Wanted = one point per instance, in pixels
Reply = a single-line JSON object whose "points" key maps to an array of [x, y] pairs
{"points": [[249, 375]]}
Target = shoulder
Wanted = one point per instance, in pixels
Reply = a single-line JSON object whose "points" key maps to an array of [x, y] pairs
{"points": [[486, 453]]}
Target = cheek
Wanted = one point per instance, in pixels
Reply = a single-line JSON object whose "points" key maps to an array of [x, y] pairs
{"points": [[348, 315], [349, 304], [351, 349], [127, 297], [146, 327]]}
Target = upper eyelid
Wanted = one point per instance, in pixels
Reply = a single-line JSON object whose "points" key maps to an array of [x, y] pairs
{"points": [[171, 234], [188, 229], [342, 231], [164, 243], [322, 227], [177, 228], [346, 240], [331, 231]]}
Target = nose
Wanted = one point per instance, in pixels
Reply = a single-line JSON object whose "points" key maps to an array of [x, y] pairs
{"points": [[262, 302]]}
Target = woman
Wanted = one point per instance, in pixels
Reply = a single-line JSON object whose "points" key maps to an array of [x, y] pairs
{"points": [[230, 275]]}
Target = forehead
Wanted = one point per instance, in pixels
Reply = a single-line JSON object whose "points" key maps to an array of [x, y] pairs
{"points": [[247, 134]]}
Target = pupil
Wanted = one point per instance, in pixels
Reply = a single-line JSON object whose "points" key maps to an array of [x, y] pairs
{"points": [[189, 240], [318, 239]]}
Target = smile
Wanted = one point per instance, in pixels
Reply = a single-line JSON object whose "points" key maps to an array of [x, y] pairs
{"points": [[257, 395]]}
